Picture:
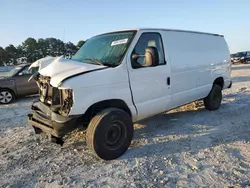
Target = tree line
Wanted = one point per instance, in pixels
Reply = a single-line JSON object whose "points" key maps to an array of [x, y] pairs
{"points": [[31, 50]]}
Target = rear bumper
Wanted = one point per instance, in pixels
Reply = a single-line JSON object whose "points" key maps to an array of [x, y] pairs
{"points": [[44, 119]]}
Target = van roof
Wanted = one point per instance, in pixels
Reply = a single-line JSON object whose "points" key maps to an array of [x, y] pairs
{"points": [[164, 29]]}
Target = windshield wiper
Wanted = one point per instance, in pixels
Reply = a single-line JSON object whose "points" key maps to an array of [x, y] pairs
{"points": [[96, 61], [99, 62]]}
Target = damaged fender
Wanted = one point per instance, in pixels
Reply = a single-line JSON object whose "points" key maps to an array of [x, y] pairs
{"points": [[41, 63], [59, 69]]}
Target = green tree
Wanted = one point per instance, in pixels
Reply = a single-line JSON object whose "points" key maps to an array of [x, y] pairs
{"points": [[20, 51], [55, 47], [42, 46], [3, 57], [11, 53], [30, 49], [80, 43], [33, 49], [70, 49]]}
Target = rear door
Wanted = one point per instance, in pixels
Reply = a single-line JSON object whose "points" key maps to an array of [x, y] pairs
{"points": [[23, 86], [150, 85]]}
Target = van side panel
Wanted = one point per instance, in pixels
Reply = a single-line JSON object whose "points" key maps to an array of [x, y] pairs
{"points": [[196, 60]]}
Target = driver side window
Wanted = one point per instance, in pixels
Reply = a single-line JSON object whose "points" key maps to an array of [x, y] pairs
{"points": [[148, 40], [26, 71]]}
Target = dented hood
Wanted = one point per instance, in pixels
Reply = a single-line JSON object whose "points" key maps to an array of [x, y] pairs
{"points": [[59, 69]]}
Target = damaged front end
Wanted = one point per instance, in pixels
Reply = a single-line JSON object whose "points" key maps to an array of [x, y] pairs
{"points": [[59, 100], [51, 113]]}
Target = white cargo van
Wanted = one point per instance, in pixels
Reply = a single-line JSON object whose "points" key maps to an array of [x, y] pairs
{"points": [[121, 77]]}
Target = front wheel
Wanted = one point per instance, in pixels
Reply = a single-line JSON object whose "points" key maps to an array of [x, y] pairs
{"points": [[6, 96], [213, 100], [109, 133]]}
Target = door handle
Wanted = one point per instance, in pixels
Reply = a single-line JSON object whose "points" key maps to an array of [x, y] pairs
{"points": [[168, 80]]}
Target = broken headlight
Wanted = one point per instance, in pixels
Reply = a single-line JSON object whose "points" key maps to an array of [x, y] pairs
{"points": [[66, 101], [59, 100]]}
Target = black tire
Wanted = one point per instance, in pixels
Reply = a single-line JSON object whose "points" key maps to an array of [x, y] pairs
{"points": [[6, 96], [213, 100], [109, 133]]}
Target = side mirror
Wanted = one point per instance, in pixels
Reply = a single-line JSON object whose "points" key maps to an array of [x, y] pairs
{"points": [[151, 56], [20, 74]]}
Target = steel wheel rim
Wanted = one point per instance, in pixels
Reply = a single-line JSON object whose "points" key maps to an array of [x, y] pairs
{"points": [[5, 97], [120, 129], [113, 135]]}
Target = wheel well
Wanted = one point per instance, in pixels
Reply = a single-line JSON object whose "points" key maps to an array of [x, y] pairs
{"points": [[8, 90], [99, 106], [219, 81]]}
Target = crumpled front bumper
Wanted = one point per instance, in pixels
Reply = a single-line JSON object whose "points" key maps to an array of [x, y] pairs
{"points": [[42, 118]]}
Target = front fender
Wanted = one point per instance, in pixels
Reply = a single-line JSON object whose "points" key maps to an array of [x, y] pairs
{"points": [[11, 86], [41, 63], [85, 97]]}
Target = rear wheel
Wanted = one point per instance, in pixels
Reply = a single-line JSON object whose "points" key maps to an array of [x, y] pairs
{"points": [[6, 96], [109, 133], [213, 100]]}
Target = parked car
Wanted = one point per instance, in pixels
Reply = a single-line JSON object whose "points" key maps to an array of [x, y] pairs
{"points": [[15, 83], [122, 77], [5, 68], [232, 57], [241, 57]]}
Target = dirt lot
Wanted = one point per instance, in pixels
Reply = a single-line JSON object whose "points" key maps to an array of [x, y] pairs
{"points": [[188, 147]]}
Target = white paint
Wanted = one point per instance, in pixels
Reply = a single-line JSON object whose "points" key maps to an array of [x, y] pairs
{"points": [[194, 61], [59, 69], [43, 62], [90, 88], [151, 93]]}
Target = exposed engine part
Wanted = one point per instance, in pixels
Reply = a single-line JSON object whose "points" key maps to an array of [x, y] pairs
{"points": [[59, 100], [67, 101]]}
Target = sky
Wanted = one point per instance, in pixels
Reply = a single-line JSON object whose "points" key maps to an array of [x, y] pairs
{"points": [[74, 20]]}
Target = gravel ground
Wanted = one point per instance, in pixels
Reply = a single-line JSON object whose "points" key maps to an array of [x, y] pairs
{"points": [[187, 147]]}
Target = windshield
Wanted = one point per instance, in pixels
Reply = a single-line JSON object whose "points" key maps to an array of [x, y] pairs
{"points": [[107, 49], [13, 71]]}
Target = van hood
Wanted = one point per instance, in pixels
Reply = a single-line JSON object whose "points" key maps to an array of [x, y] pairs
{"points": [[59, 69]]}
